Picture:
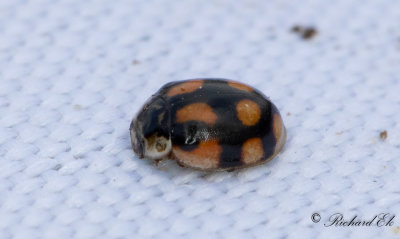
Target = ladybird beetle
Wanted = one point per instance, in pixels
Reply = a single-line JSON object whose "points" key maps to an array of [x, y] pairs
{"points": [[208, 124]]}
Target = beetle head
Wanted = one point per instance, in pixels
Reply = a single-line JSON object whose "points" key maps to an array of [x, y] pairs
{"points": [[149, 130]]}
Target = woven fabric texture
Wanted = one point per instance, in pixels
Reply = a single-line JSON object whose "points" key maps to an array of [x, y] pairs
{"points": [[74, 73]]}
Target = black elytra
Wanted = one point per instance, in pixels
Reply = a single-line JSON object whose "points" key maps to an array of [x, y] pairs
{"points": [[159, 117]]}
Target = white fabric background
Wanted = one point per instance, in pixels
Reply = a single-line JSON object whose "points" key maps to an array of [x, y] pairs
{"points": [[74, 73]]}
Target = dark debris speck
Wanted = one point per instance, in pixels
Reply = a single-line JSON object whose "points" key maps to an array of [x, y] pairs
{"points": [[306, 33], [383, 135]]}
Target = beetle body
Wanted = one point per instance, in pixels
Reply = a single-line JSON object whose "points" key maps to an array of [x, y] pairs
{"points": [[208, 124]]}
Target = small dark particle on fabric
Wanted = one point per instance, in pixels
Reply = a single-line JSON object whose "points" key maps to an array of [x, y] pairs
{"points": [[383, 135], [296, 28], [135, 62], [306, 33]]}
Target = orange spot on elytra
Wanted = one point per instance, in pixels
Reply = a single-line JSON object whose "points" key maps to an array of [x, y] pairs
{"points": [[205, 156], [185, 87], [277, 127], [240, 86], [248, 112], [252, 151], [196, 112]]}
